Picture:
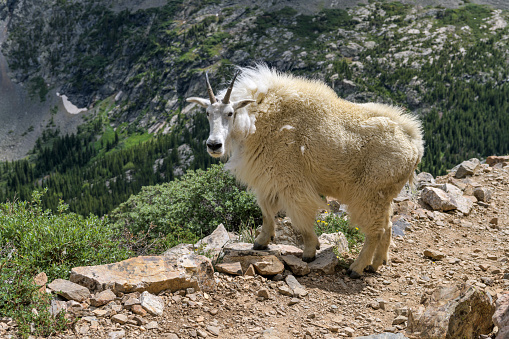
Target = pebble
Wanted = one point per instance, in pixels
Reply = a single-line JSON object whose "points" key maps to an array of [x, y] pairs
{"points": [[401, 319], [264, 293], [119, 318], [349, 331], [293, 301], [201, 333], [213, 329], [435, 255]]}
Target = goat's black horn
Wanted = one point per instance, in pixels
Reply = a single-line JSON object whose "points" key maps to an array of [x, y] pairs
{"points": [[226, 99]]}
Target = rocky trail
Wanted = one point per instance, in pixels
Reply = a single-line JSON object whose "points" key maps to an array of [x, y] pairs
{"points": [[447, 275]]}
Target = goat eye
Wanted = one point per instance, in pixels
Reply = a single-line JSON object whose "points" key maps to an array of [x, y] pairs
{"points": [[208, 114], [230, 114]]}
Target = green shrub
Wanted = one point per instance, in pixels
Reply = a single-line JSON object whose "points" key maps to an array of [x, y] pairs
{"points": [[55, 243], [21, 300], [189, 207], [33, 241]]}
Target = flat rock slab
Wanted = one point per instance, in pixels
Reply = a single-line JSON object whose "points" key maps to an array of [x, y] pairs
{"points": [[246, 249], [233, 268], [384, 335], [69, 290], [453, 312], [270, 265], [148, 273]]}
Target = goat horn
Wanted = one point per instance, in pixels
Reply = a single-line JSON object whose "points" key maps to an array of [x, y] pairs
{"points": [[209, 90], [226, 99]]}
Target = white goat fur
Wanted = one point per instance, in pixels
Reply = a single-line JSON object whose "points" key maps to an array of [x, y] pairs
{"points": [[298, 140]]}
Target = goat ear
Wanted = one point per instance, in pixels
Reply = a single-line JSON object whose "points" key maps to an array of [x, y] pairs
{"points": [[202, 102], [242, 103]]}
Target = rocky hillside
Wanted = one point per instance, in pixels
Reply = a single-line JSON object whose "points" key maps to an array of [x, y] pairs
{"points": [[448, 277], [149, 55]]}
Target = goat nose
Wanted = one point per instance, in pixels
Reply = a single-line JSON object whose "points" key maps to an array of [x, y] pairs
{"points": [[214, 145]]}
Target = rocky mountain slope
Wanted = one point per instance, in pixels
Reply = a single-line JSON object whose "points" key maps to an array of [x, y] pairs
{"points": [[149, 55], [462, 248]]}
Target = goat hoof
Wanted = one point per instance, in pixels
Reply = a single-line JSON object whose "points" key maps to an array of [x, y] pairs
{"points": [[271, 238], [257, 246], [308, 259], [318, 246], [370, 269], [352, 274], [384, 262]]}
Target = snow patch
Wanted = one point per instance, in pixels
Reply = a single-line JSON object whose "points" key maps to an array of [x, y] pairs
{"points": [[69, 106]]}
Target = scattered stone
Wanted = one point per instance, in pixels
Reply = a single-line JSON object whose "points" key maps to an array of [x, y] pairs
{"points": [[250, 271], [349, 331], [468, 167], [285, 290], [100, 313], [493, 160], [153, 325], [119, 318], [264, 293], [116, 334], [453, 312], [424, 179], [213, 329], [213, 244], [270, 265], [148, 273], [501, 316], [201, 333], [102, 298], [482, 194], [140, 320], [296, 265], [438, 199], [293, 301], [233, 268], [151, 303], [337, 240], [400, 319], [57, 306], [129, 303], [435, 255], [325, 262], [69, 290], [385, 335], [138, 309], [297, 289], [41, 280]]}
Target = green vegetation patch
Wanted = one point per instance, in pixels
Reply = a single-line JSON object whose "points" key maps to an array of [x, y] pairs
{"points": [[188, 207], [32, 241]]}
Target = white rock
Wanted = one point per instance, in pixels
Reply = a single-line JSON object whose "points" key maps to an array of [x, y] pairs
{"points": [[152, 303]]}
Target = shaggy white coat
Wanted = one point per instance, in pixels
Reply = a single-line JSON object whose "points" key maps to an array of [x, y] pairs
{"points": [[298, 140]]}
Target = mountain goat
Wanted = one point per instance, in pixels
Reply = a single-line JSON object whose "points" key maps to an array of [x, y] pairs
{"points": [[293, 140]]}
